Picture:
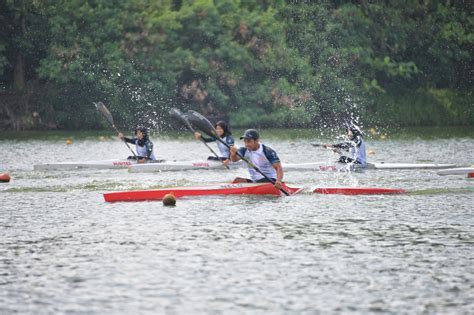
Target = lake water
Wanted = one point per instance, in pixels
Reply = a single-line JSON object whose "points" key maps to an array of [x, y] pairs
{"points": [[64, 250]]}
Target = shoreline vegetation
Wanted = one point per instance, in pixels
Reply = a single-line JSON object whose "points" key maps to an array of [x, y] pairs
{"points": [[284, 64]]}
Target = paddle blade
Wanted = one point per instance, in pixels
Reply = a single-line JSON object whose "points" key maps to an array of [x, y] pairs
{"points": [[179, 116], [201, 123], [105, 112]]}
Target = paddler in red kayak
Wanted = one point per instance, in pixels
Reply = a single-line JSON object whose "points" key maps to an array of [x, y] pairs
{"points": [[143, 145], [223, 131], [355, 146], [262, 156]]}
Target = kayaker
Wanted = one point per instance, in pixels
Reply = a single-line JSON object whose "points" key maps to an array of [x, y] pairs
{"points": [[143, 145], [262, 156], [223, 131], [355, 146]]}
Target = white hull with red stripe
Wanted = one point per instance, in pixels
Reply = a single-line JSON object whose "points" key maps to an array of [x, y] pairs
{"points": [[159, 166], [103, 164]]}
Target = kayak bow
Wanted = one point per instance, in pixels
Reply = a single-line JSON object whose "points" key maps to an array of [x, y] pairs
{"points": [[179, 192]]}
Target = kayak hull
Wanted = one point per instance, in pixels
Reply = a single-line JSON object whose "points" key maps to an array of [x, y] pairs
{"points": [[407, 166], [182, 165], [210, 164], [159, 166], [456, 171], [104, 164], [357, 190], [179, 192], [342, 167]]}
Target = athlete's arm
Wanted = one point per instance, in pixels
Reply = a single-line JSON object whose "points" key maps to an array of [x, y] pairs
{"points": [[123, 138], [344, 145], [132, 140], [233, 154], [279, 174], [199, 136], [149, 149]]}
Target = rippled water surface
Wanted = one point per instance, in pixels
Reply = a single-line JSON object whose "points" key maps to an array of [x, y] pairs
{"points": [[64, 250]]}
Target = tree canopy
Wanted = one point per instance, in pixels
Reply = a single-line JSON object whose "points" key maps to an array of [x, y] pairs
{"points": [[257, 63]]}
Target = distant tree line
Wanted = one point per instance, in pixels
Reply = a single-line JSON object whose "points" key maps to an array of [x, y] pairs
{"points": [[258, 63]]}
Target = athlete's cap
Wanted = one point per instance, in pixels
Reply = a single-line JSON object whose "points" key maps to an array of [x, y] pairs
{"points": [[250, 134]]}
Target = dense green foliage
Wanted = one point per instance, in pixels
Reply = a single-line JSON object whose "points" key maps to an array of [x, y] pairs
{"points": [[258, 63]]}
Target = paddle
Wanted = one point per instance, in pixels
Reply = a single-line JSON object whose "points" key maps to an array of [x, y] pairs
{"points": [[108, 116], [178, 115], [205, 126]]}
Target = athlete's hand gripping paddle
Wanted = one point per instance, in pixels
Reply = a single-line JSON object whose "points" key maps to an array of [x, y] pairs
{"points": [[205, 126], [108, 116]]}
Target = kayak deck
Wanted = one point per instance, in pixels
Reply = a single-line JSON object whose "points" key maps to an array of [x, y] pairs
{"points": [[220, 189]]}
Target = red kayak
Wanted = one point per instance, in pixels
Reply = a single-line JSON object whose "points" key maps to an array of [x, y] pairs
{"points": [[220, 189], [358, 190]]}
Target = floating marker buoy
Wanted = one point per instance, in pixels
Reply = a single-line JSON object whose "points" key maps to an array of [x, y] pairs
{"points": [[470, 175], [4, 178], [169, 200], [372, 131], [383, 137], [68, 141]]}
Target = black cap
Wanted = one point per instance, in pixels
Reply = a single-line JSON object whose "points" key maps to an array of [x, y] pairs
{"points": [[250, 134]]}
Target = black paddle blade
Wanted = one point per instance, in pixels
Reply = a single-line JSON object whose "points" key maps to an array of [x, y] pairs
{"points": [[179, 116], [201, 123], [105, 112]]}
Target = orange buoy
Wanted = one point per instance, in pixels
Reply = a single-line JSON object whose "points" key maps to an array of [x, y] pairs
{"points": [[169, 200], [4, 178], [68, 141]]}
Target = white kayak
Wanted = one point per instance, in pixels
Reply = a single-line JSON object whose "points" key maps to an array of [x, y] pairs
{"points": [[182, 166], [406, 166], [158, 166], [211, 164], [342, 167], [456, 171], [310, 166], [324, 166], [103, 164]]}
